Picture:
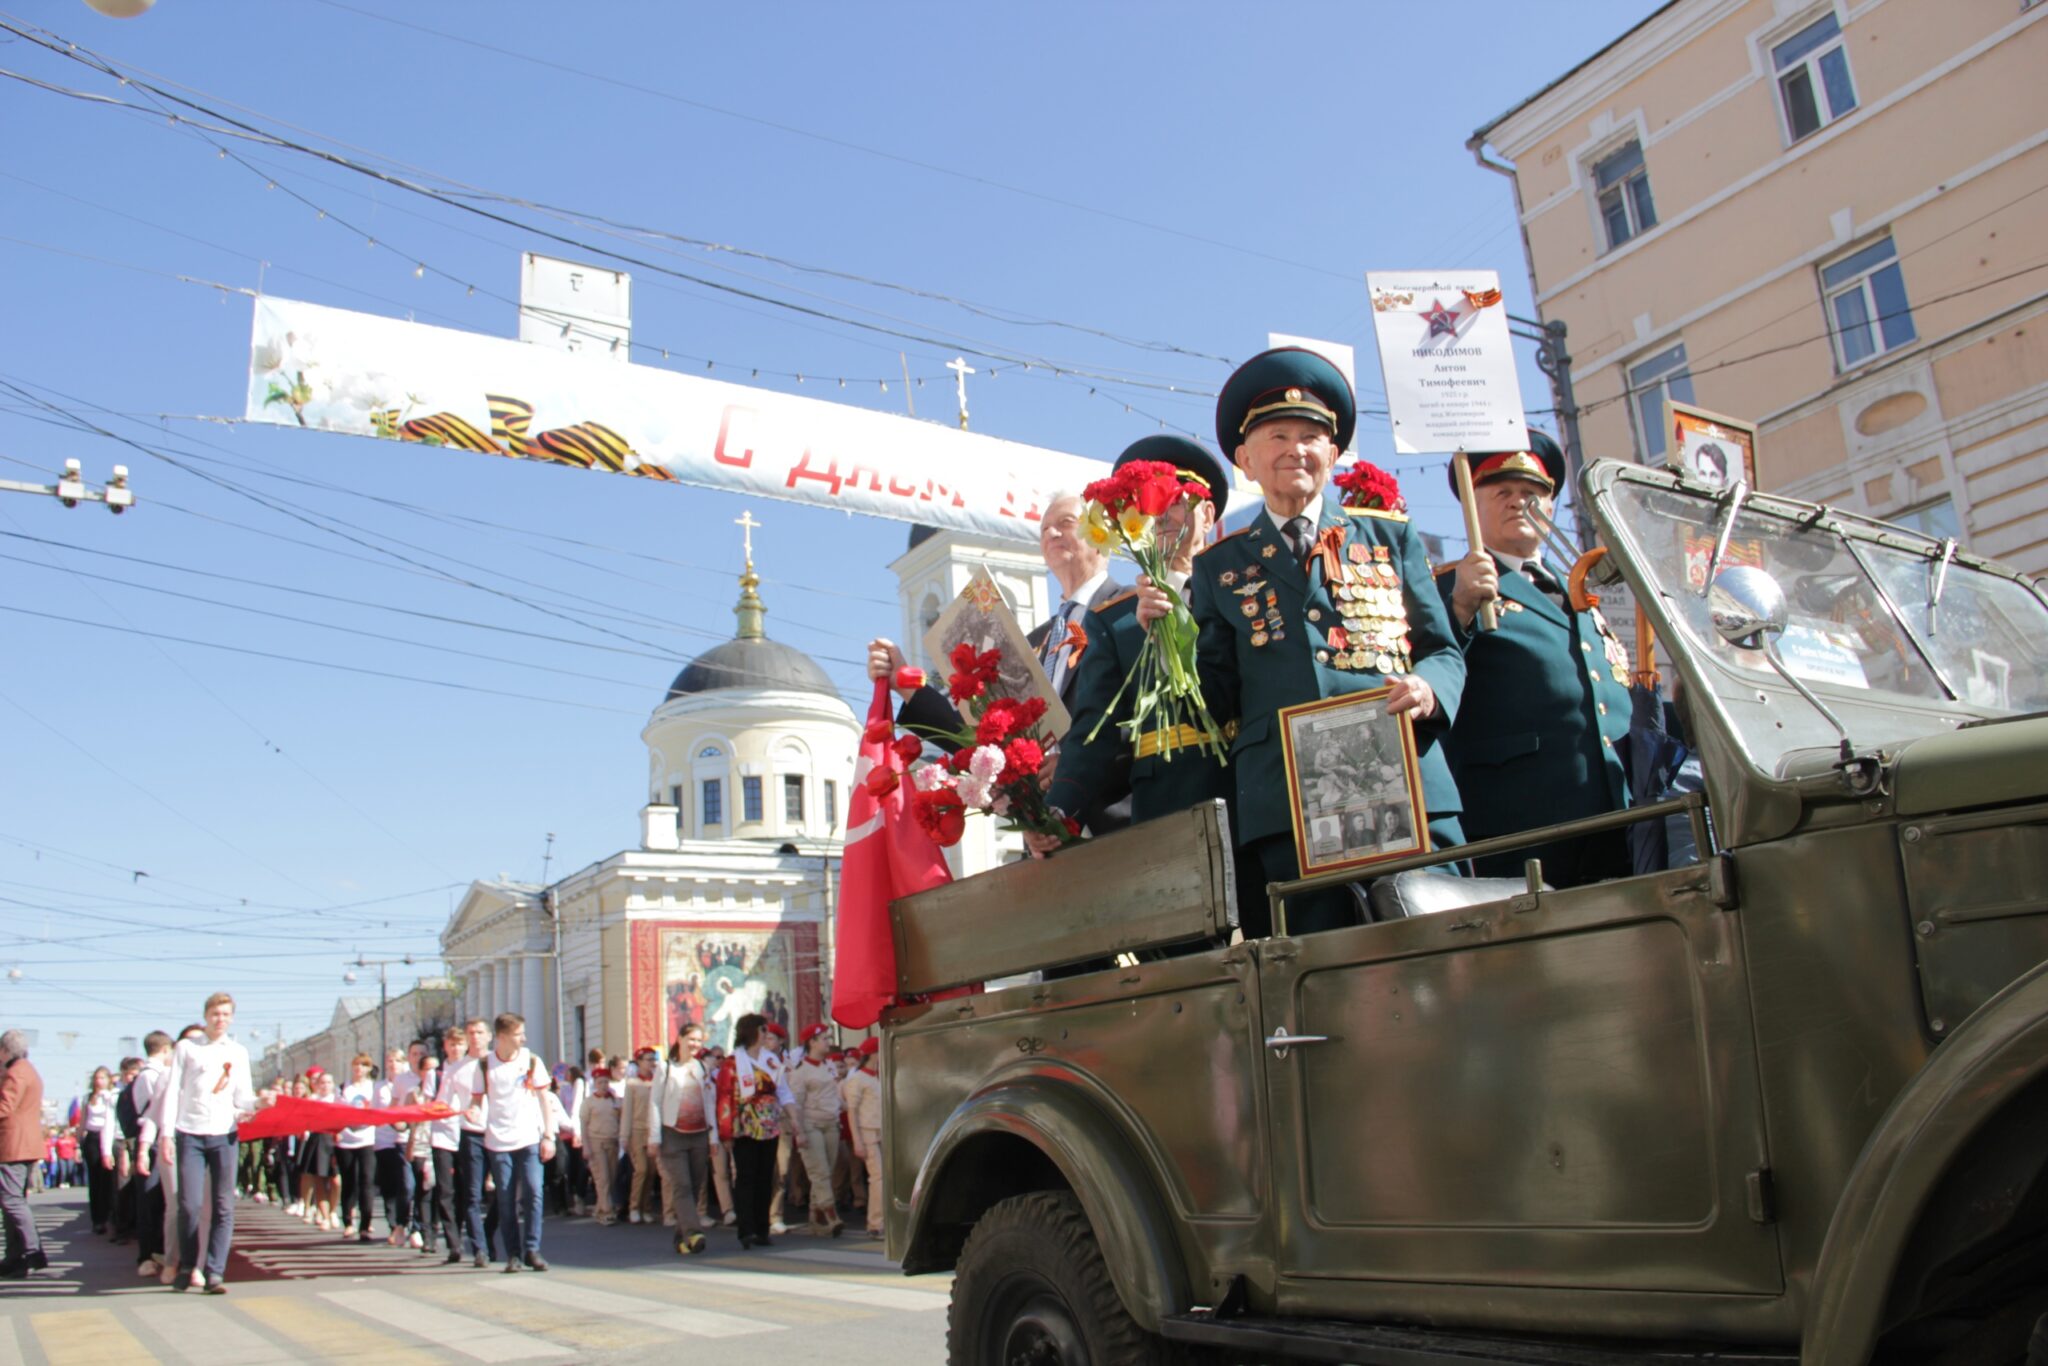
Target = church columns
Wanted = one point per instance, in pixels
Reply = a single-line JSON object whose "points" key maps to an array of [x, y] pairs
{"points": [[534, 1006]]}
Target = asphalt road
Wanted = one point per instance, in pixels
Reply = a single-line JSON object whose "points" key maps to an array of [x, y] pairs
{"points": [[613, 1295]]}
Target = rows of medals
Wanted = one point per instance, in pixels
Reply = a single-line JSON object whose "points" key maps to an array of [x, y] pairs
{"points": [[1369, 599], [1257, 601]]}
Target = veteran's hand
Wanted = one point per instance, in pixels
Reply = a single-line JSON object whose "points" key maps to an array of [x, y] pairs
{"points": [[1152, 601], [1410, 693], [1478, 583], [884, 659], [1042, 845]]}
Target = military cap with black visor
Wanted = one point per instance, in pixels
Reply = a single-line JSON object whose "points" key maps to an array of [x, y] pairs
{"points": [[1540, 735], [1271, 604]]}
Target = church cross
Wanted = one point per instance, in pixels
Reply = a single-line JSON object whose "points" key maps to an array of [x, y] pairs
{"points": [[745, 521], [961, 370]]}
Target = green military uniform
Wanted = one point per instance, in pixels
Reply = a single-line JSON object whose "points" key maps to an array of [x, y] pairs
{"points": [[1168, 772], [1274, 634], [1545, 716]]}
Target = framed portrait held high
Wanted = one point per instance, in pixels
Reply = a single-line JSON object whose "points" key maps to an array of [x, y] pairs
{"points": [[1709, 447], [981, 617], [1354, 788]]}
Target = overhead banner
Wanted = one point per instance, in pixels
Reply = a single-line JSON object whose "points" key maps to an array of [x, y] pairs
{"points": [[1447, 359], [329, 369]]}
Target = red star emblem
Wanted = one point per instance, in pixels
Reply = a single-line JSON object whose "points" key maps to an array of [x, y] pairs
{"points": [[1442, 321]]}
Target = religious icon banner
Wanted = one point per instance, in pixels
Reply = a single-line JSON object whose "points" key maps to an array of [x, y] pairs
{"points": [[712, 973], [330, 369], [1448, 361]]}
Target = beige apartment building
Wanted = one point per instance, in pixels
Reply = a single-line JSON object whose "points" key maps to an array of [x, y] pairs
{"points": [[1828, 218]]}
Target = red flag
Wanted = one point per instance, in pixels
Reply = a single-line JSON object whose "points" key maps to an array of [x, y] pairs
{"points": [[887, 856], [300, 1115]]}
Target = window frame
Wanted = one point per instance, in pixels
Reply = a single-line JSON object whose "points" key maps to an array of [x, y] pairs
{"points": [[793, 786], [1809, 63], [1650, 423], [753, 799], [711, 803], [1625, 190], [831, 799], [1863, 284]]}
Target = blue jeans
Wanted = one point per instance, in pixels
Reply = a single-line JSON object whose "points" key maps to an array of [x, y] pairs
{"points": [[518, 1224], [204, 1157], [469, 1175]]}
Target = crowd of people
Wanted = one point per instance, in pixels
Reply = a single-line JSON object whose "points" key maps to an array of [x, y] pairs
{"points": [[469, 1143]]}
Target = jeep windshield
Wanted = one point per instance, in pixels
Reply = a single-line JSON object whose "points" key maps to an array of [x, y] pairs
{"points": [[1900, 634]]}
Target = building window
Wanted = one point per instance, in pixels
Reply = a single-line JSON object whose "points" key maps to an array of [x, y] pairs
{"points": [[675, 798], [1935, 520], [1622, 183], [793, 798], [1650, 383], [711, 752], [750, 799], [714, 803], [1814, 88], [831, 804], [1867, 309]]}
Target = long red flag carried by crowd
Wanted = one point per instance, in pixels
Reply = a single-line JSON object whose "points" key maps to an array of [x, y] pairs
{"points": [[297, 1115], [887, 855]]}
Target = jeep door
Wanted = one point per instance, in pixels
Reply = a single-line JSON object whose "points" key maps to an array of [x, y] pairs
{"points": [[1563, 1096]]}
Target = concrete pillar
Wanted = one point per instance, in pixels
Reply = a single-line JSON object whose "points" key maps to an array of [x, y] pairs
{"points": [[498, 996], [540, 1035]]}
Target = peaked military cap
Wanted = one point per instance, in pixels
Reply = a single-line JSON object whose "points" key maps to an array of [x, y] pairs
{"points": [[1184, 454], [1542, 463], [1289, 381]]}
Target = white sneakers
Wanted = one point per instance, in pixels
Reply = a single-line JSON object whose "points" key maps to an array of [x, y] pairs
{"points": [[778, 1227], [706, 1221], [416, 1241], [634, 1217]]}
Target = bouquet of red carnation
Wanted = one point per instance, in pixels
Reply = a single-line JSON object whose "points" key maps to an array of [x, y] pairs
{"points": [[1123, 510], [1362, 484], [996, 767]]}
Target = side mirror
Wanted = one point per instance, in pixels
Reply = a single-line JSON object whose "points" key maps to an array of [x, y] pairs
{"points": [[1747, 607]]}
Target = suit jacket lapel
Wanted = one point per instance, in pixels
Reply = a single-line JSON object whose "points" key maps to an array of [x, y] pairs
{"points": [[1281, 565]]}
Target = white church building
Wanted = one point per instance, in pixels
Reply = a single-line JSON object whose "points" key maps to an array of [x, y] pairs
{"points": [[726, 906]]}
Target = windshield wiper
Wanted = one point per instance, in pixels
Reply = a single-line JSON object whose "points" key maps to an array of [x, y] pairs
{"points": [[1899, 620], [1724, 526], [1948, 553]]}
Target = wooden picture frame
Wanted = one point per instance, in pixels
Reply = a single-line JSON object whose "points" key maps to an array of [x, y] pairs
{"points": [[981, 614], [1354, 786], [1709, 448]]}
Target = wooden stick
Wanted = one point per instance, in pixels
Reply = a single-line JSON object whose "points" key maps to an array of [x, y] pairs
{"points": [[1461, 468]]}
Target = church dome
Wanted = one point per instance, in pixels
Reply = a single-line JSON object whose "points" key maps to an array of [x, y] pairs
{"points": [[754, 662]]}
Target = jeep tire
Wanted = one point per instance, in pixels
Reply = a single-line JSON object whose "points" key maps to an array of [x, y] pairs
{"points": [[1031, 1287]]}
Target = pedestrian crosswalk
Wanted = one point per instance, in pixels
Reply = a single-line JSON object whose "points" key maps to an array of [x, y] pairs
{"points": [[300, 1296]]}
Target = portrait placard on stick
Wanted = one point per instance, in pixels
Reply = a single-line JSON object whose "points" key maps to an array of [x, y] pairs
{"points": [[1447, 360], [1706, 446], [981, 617]]}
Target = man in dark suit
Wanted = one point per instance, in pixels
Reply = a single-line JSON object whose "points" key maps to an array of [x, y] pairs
{"points": [[1085, 584], [1546, 694], [1312, 600]]}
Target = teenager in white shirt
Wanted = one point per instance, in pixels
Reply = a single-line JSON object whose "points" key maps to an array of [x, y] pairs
{"points": [[683, 1114], [355, 1149], [96, 1117], [145, 1186], [444, 1139], [465, 1089], [394, 1173], [206, 1093], [517, 1138]]}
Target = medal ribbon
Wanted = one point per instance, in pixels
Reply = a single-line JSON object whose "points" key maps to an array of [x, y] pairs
{"points": [[1329, 546]]}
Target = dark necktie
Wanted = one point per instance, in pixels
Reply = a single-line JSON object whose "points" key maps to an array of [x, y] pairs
{"points": [[1296, 531], [1056, 655], [1546, 583]]}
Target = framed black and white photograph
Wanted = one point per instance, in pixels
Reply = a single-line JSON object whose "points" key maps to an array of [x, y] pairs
{"points": [[1354, 789], [1709, 447]]}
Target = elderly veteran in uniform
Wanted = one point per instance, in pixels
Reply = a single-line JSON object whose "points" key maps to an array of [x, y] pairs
{"points": [[1313, 600], [1546, 694], [1163, 771], [1082, 572]]}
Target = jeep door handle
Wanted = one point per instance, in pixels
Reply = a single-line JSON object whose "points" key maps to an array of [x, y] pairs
{"points": [[1280, 1040]]}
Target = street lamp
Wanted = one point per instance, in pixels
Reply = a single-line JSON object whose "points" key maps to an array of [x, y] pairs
{"points": [[383, 996]]}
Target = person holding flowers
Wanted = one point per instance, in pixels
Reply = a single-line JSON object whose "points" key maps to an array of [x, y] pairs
{"points": [[1312, 599], [1131, 725]]}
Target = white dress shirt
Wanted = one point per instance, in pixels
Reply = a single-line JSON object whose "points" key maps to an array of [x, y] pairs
{"points": [[445, 1134], [1314, 513], [207, 1089], [147, 1088]]}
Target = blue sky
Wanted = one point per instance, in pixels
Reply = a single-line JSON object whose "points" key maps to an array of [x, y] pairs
{"points": [[1188, 175]]}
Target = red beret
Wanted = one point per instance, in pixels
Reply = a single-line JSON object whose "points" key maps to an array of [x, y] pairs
{"points": [[777, 1030], [815, 1030], [869, 1046], [604, 1072]]}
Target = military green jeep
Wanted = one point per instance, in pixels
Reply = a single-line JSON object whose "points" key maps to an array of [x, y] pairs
{"points": [[1787, 1102]]}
